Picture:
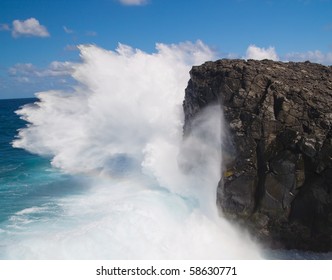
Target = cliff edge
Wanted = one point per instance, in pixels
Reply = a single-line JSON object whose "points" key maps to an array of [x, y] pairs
{"points": [[277, 155]]}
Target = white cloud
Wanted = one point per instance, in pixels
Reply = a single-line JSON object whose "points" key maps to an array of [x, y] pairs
{"points": [[4, 27], [23, 80], [25, 71], [313, 56], [67, 30], [254, 52], [71, 48], [22, 69], [231, 55], [91, 33], [26, 78], [57, 68], [133, 2], [29, 27]]}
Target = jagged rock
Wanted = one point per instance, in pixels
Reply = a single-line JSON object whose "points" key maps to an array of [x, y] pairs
{"points": [[278, 157]]}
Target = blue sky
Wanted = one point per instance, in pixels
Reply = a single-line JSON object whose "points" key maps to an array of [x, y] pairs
{"points": [[38, 38]]}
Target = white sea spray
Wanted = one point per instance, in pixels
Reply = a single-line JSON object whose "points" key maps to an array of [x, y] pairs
{"points": [[152, 195]]}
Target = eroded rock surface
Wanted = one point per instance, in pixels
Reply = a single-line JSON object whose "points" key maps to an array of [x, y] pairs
{"points": [[278, 153]]}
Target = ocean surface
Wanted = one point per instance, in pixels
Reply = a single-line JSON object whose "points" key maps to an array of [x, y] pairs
{"points": [[33, 193], [102, 171], [29, 185], [47, 213]]}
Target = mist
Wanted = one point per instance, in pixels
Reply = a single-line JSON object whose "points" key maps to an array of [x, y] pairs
{"points": [[148, 193]]}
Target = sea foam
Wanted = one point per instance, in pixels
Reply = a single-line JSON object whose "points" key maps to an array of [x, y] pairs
{"points": [[151, 194]]}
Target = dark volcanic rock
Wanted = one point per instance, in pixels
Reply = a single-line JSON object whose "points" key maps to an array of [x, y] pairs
{"points": [[278, 153]]}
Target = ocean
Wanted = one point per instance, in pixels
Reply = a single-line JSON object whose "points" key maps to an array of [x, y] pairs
{"points": [[47, 213], [102, 171], [29, 185]]}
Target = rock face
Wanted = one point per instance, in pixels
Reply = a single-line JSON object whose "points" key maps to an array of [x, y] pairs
{"points": [[277, 156]]}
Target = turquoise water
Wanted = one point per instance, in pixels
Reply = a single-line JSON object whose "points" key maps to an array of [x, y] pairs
{"points": [[29, 185], [47, 214], [102, 171], [115, 179], [26, 180], [22, 175], [120, 213]]}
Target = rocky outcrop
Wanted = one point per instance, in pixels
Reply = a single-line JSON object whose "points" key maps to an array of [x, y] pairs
{"points": [[277, 156]]}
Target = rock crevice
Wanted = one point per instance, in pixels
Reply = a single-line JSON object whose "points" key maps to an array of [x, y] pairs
{"points": [[277, 164]]}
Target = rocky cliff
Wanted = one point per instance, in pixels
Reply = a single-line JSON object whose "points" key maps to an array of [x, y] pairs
{"points": [[277, 156]]}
